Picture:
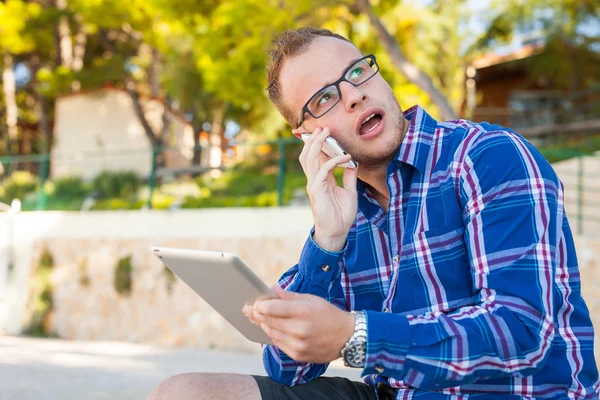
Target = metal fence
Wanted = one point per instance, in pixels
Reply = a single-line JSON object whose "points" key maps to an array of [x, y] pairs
{"points": [[153, 166], [579, 173], [545, 117]]}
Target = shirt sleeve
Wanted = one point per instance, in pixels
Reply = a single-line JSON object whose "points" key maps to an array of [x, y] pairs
{"points": [[318, 272], [513, 212]]}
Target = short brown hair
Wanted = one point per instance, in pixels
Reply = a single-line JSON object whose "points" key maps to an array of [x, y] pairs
{"points": [[290, 44]]}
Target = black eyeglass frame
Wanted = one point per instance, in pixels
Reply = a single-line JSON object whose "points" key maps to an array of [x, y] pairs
{"points": [[337, 87]]}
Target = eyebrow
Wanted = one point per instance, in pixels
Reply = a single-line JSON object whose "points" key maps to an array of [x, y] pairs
{"points": [[350, 64]]}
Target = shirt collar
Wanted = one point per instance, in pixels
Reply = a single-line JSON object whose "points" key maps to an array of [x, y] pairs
{"points": [[413, 151], [418, 139]]}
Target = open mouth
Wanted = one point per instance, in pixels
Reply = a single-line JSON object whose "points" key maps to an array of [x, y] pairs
{"points": [[370, 123]]}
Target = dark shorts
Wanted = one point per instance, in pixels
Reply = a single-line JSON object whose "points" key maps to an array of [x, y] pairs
{"points": [[324, 388]]}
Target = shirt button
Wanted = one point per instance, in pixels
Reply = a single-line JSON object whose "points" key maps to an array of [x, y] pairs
{"points": [[379, 369], [325, 268], [396, 258], [386, 310]]}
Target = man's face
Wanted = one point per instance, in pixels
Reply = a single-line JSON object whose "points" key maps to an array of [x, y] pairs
{"points": [[371, 142]]}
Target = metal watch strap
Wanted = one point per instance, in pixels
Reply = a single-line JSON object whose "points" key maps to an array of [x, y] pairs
{"points": [[359, 337]]}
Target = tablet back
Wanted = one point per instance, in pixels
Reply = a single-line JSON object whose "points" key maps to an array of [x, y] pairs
{"points": [[224, 281]]}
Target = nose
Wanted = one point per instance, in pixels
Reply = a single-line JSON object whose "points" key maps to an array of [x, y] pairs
{"points": [[353, 96]]}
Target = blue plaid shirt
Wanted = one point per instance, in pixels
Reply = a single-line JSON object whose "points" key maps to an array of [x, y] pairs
{"points": [[469, 281]]}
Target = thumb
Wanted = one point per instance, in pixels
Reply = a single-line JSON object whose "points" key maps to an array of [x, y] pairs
{"points": [[285, 295]]}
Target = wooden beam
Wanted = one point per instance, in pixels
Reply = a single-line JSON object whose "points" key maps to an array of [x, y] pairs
{"points": [[577, 126]]}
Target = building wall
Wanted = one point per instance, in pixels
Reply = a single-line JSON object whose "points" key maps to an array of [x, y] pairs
{"points": [[86, 248], [100, 131]]}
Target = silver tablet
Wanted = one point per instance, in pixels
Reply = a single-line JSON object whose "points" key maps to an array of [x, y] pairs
{"points": [[224, 281]]}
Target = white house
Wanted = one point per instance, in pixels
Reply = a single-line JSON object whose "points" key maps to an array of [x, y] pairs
{"points": [[99, 131]]}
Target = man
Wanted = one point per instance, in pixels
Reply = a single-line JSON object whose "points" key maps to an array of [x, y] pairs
{"points": [[452, 251]]}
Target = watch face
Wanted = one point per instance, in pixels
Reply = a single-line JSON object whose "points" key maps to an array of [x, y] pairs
{"points": [[356, 354]]}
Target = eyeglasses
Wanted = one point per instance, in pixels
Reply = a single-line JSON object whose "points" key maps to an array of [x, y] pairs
{"points": [[325, 99]]}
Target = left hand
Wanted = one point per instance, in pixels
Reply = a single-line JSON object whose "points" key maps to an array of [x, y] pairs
{"points": [[305, 327]]}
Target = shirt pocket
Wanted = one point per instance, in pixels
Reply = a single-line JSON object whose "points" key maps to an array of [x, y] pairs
{"points": [[439, 269]]}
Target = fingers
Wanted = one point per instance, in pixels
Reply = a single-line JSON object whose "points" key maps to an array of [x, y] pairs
{"points": [[285, 295], [314, 153], [294, 347], [306, 148], [251, 314], [281, 308], [350, 177], [310, 155], [326, 168], [295, 327]]}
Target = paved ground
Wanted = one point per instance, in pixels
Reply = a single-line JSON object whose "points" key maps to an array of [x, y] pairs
{"points": [[58, 369]]}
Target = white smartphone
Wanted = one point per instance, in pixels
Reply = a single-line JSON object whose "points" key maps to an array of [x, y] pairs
{"points": [[332, 149]]}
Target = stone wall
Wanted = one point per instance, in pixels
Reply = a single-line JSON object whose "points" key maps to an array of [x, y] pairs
{"points": [[86, 248]]}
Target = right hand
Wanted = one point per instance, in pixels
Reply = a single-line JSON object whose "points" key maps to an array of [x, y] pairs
{"points": [[334, 208]]}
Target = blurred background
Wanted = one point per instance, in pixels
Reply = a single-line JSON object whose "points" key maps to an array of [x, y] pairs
{"points": [[130, 124]]}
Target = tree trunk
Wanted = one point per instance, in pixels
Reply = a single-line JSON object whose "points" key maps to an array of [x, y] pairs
{"points": [[166, 120], [139, 112], [80, 43], [41, 111], [217, 128], [78, 51], [155, 140], [10, 98], [63, 38], [153, 72], [408, 69], [197, 127]]}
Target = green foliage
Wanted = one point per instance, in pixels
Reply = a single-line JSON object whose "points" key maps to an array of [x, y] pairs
{"points": [[14, 16], [71, 187], [84, 273], [254, 183], [116, 184], [118, 204], [211, 55], [53, 203], [170, 278], [17, 186], [123, 276], [266, 199], [573, 148], [241, 181], [40, 304]]}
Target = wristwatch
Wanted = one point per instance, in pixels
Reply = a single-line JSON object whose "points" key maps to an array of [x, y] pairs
{"points": [[354, 352]]}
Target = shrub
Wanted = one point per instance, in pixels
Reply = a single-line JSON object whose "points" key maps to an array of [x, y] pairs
{"points": [[71, 187], [118, 204], [116, 184], [170, 279], [18, 185], [84, 274], [41, 304], [123, 280], [266, 199]]}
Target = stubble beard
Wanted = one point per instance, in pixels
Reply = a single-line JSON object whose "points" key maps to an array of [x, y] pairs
{"points": [[373, 160]]}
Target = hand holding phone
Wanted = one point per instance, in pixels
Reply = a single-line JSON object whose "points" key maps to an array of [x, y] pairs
{"points": [[334, 206], [332, 149]]}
